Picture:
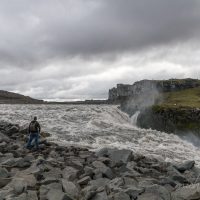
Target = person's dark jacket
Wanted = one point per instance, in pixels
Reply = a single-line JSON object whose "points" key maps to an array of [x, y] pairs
{"points": [[37, 126]]}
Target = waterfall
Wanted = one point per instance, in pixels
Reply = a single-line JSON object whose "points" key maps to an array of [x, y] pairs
{"points": [[134, 118]]}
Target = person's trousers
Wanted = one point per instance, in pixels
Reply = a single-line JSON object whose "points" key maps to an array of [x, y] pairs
{"points": [[33, 136]]}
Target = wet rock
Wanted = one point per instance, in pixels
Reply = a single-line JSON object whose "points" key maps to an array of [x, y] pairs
{"points": [[185, 166], [70, 189]]}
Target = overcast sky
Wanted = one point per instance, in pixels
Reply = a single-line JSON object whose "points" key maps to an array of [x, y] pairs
{"points": [[78, 49]]}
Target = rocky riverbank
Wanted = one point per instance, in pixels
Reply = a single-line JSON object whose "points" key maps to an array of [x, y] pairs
{"points": [[74, 173]]}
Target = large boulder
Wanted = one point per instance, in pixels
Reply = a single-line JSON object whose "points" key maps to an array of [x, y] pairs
{"points": [[70, 173], [185, 166], [70, 189], [100, 182], [187, 193], [121, 195], [100, 196], [115, 155], [3, 173], [55, 194], [102, 168], [155, 192]]}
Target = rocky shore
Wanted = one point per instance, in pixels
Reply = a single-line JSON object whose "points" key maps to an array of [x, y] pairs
{"points": [[73, 173]]}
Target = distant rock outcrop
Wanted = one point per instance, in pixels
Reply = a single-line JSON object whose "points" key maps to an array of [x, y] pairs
{"points": [[14, 98]]}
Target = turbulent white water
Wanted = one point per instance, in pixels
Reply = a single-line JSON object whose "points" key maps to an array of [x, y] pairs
{"points": [[97, 126], [134, 118]]}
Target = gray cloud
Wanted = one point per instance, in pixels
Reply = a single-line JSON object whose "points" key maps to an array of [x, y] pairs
{"points": [[63, 48]]}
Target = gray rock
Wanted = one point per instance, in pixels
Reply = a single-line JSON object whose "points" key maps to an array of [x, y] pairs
{"points": [[175, 175], [185, 166], [101, 182], [77, 164], [70, 189], [53, 173], [88, 171], [102, 152], [55, 194], [102, 168], [114, 185], [100, 196], [130, 181], [3, 145], [84, 181], [3, 173], [49, 180], [187, 192], [10, 162], [22, 162], [118, 156], [4, 181], [121, 195], [45, 188], [88, 192], [19, 186], [134, 192], [155, 192], [11, 130], [69, 173], [32, 195], [27, 180], [149, 196]]}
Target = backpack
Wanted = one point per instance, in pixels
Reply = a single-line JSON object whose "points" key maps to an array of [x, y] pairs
{"points": [[33, 127]]}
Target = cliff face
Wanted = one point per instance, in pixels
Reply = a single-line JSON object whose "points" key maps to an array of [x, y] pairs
{"points": [[170, 119], [169, 105], [122, 91], [14, 98]]}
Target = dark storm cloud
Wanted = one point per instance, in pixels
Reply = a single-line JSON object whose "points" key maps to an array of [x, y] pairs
{"points": [[36, 32], [64, 47]]}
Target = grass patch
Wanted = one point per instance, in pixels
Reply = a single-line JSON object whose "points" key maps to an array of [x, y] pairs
{"points": [[184, 98]]}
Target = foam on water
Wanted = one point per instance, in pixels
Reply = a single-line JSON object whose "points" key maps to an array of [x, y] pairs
{"points": [[97, 126]]}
